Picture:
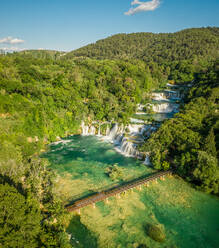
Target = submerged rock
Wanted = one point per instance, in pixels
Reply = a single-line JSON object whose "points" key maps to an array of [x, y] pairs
{"points": [[156, 233]]}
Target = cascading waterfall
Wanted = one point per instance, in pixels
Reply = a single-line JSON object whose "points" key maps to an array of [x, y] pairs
{"points": [[165, 108], [86, 130], [107, 130], [134, 128], [92, 130], [118, 138], [122, 144], [126, 139], [127, 145], [113, 132], [159, 96], [99, 134], [128, 148], [166, 94]]}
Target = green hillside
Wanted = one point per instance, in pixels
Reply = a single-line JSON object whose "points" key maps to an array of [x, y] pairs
{"points": [[186, 44]]}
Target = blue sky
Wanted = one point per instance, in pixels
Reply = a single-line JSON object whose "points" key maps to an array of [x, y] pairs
{"points": [[69, 24]]}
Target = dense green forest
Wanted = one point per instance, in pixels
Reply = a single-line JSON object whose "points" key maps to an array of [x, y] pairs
{"points": [[45, 94], [161, 48], [189, 143], [41, 99], [179, 54]]}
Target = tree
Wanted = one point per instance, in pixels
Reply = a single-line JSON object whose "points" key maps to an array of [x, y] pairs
{"points": [[210, 145], [207, 172], [19, 219]]}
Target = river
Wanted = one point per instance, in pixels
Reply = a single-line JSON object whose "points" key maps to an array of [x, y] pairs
{"points": [[189, 217]]}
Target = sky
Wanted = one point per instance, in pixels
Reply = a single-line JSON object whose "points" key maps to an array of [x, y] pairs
{"points": [[66, 25]]}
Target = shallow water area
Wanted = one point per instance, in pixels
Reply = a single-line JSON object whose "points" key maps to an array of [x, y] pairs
{"points": [[81, 162], [189, 217]]}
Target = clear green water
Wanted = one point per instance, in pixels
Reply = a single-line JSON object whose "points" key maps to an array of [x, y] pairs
{"points": [[190, 218], [81, 165]]}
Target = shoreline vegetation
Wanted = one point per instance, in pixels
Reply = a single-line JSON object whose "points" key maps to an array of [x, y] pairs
{"points": [[44, 96]]}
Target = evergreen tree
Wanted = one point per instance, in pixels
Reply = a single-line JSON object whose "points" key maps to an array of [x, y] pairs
{"points": [[210, 145]]}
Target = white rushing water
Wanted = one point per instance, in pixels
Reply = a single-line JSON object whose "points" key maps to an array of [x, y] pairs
{"points": [[159, 96], [166, 95], [126, 139], [86, 130], [165, 107], [126, 142]]}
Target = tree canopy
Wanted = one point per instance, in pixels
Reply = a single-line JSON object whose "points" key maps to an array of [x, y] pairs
{"points": [[46, 94]]}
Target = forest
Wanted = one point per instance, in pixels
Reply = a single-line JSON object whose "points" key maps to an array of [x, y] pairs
{"points": [[46, 94], [189, 142], [40, 100], [149, 47]]}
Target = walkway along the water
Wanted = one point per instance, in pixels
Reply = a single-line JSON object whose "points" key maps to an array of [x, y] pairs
{"points": [[104, 195]]}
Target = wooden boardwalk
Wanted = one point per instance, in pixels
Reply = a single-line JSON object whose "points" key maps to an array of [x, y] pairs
{"points": [[104, 195]]}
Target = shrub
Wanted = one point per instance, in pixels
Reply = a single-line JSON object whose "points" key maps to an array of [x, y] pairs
{"points": [[114, 172], [156, 233]]}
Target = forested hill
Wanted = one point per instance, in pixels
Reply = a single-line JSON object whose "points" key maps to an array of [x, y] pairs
{"points": [[164, 47]]}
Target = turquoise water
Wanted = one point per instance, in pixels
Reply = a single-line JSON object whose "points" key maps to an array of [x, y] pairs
{"points": [[82, 163], [189, 217]]}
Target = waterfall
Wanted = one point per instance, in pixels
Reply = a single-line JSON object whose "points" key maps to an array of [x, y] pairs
{"points": [[86, 130], [162, 108], [107, 131], [128, 148], [126, 139], [133, 129], [166, 94], [165, 108], [92, 130], [125, 145], [118, 138], [159, 96], [113, 132], [147, 160], [172, 94], [99, 134]]}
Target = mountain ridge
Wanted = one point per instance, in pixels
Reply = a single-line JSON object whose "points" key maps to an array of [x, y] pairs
{"points": [[156, 47]]}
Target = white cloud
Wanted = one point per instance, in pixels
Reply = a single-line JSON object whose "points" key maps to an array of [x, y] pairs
{"points": [[143, 6], [11, 41]]}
